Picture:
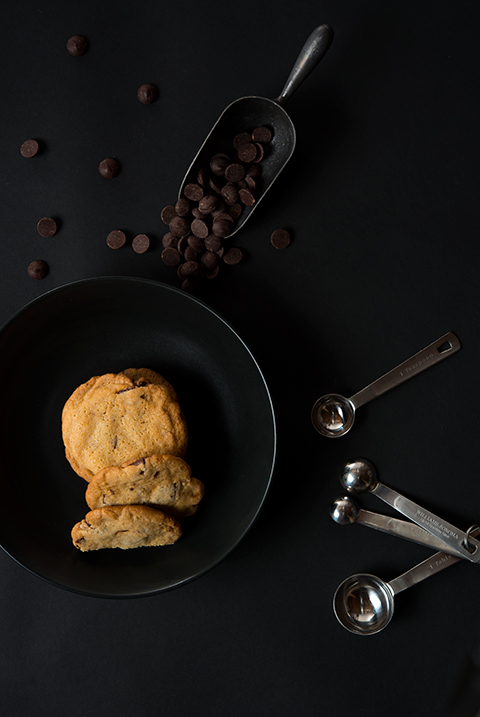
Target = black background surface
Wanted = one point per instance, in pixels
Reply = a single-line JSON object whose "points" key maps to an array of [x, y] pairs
{"points": [[381, 197]]}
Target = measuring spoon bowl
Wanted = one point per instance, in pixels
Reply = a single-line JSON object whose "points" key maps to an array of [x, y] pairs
{"points": [[333, 415]]}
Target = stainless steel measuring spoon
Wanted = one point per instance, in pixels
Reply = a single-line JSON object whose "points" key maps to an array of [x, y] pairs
{"points": [[333, 415], [364, 604], [345, 511], [360, 476]]}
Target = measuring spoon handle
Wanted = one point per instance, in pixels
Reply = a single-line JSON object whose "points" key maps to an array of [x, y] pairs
{"points": [[446, 532], [310, 55], [401, 528], [439, 350]]}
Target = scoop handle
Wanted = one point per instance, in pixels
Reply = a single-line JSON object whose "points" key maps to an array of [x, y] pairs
{"points": [[311, 53], [430, 566], [437, 351]]}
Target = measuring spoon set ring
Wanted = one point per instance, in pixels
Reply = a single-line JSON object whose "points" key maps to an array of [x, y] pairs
{"points": [[364, 603]]}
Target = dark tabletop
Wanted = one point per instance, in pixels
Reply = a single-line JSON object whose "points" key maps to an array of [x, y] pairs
{"points": [[381, 199]]}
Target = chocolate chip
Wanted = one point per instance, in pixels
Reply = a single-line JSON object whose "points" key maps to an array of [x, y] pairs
{"points": [[169, 240], [47, 227], [212, 274], [209, 261], [247, 152], [168, 213], [116, 239], [147, 93], [109, 168], [208, 204], [241, 138], [246, 197], [233, 256], [141, 243], [170, 256], [179, 226], [200, 228], [222, 227], [202, 177], [230, 193], [261, 134], [219, 163], [235, 210], [183, 207], [213, 243], [29, 148], [260, 152], [191, 255], [193, 191], [77, 46], [251, 183], [197, 213], [196, 243], [189, 269], [37, 269], [182, 245], [234, 172], [280, 238]]}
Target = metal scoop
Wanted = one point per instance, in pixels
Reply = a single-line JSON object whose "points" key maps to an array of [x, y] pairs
{"points": [[359, 476], [333, 415], [247, 113], [345, 511], [364, 604]]}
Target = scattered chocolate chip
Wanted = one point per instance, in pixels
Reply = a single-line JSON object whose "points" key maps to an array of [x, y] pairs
{"points": [[251, 184], [29, 148], [179, 226], [168, 213], [233, 256], [147, 93], [222, 227], [219, 163], [246, 197], [262, 134], [191, 255], [200, 228], [116, 239], [247, 152], [280, 238], [212, 274], [193, 191], [109, 168], [47, 227], [260, 152], [235, 210], [141, 243], [213, 243], [209, 261], [208, 204], [189, 269], [182, 245], [37, 269], [183, 207], [196, 243], [170, 256], [169, 240], [77, 46], [202, 177], [230, 193], [241, 138], [234, 172]]}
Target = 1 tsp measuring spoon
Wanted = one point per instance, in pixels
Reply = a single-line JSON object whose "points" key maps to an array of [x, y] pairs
{"points": [[333, 415], [359, 476], [364, 604], [345, 511]]}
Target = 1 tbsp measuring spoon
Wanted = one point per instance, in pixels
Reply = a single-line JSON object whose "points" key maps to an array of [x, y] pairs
{"points": [[359, 476], [364, 604], [345, 511], [333, 415]]}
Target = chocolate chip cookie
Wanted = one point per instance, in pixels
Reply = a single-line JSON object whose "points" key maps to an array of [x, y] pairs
{"points": [[163, 482], [110, 419], [125, 526]]}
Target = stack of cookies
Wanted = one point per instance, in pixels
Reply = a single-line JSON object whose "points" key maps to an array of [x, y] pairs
{"points": [[126, 435]]}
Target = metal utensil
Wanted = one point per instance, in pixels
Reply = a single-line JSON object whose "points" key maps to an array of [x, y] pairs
{"points": [[345, 511], [364, 604], [333, 415], [246, 113], [360, 476]]}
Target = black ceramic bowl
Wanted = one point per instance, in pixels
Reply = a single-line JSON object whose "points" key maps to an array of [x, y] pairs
{"points": [[105, 325]]}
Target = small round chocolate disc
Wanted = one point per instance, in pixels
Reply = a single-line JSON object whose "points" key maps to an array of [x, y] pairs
{"points": [[147, 93], [168, 213], [280, 238], [233, 256], [77, 46], [247, 152], [47, 227], [37, 269], [109, 168], [116, 239], [261, 134], [170, 256], [29, 148], [141, 243]]}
